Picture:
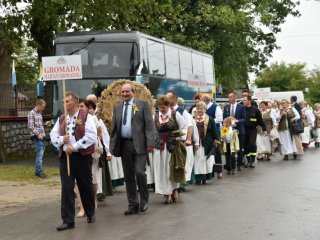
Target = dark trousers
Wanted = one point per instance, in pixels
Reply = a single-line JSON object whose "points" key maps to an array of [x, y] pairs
{"points": [[250, 145], [230, 159], [134, 167], [240, 153], [81, 171]]}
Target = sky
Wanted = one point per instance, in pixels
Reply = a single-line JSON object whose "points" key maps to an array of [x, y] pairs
{"points": [[300, 37]]}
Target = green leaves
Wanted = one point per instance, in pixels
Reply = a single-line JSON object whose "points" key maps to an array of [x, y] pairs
{"points": [[240, 34]]}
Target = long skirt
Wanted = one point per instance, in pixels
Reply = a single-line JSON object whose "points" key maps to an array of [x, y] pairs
{"points": [[263, 144], [203, 166], [116, 171], [153, 157], [288, 146], [96, 174], [297, 141], [305, 136], [163, 185], [189, 162]]}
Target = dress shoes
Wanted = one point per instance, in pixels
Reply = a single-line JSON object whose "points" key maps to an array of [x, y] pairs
{"points": [[295, 156], [131, 211], [40, 175], [286, 157], [144, 208], [65, 226], [91, 219]]}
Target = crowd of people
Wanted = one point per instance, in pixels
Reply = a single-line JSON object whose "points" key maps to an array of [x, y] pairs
{"points": [[171, 148]]}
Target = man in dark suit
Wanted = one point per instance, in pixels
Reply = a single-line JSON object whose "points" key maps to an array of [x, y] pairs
{"points": [[295, 104], [132, 137], [237, 111]]}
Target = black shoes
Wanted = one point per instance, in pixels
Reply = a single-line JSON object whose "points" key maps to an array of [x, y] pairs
{"points": [[295, 156], [144, 208], [132, 210], [286, 157], [65, 226], [91, 219], [198, 182], [41, 175]]}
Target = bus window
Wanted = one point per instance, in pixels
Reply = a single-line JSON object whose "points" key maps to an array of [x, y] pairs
{"points": [[172, 62], [208, 69], [185, 63], [105, 59], [156, 58], [144, 56], [197, 65]]}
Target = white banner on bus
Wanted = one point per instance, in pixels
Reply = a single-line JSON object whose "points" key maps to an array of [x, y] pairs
{"points": [[261, 93], [62, 67], [197, 81]]}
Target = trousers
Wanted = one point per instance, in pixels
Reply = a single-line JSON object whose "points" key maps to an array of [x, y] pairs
{"points": [[80, 171]]}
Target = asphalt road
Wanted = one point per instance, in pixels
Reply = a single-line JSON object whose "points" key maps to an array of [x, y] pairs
{"points": [[277, 200]]}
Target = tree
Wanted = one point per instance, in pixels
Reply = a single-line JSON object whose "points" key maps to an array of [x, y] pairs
{"points": [[283, 77], [239, 34]]}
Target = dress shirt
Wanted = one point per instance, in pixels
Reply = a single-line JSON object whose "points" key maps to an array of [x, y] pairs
{"points": [[234, 106], [126, 130], [88, 139]]}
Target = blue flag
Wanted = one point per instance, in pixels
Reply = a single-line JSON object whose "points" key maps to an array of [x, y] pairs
{"points": [[14, 80]]}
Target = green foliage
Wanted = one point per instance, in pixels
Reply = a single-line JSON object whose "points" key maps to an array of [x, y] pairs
{"points": [[240, 34], [290, 77]]}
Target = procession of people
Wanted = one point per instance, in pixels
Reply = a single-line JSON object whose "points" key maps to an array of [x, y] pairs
{"points": [[170, 148]]}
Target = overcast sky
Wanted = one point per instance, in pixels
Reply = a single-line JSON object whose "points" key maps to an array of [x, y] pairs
{"points": [[300, 37]]}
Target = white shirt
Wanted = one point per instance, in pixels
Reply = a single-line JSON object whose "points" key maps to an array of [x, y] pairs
{"points": [[105, 137], [234, 106], [88, 139], [126, 130]]}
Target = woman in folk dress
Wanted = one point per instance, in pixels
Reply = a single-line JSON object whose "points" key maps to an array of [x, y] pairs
{"points": [[263, 141], [316, 113], [308, 121], [290, 143], [204, 156], [166, 121]]}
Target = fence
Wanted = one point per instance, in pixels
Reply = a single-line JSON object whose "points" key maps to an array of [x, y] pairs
{"points": [[24, 101]]}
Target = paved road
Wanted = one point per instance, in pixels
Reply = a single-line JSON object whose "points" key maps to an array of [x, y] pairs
{"points": [[277, 200]]}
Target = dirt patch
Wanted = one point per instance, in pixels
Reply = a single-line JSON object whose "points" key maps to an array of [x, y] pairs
{"points": [[19, 196]]}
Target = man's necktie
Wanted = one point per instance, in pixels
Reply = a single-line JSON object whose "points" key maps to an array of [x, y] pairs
{"points": [[232, 111], [125, 113]]}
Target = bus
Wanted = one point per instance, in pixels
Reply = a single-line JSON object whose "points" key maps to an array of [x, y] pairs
{"points": [[108, 56]]}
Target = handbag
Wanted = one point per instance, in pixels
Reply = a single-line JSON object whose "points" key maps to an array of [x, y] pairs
{"points": [[297, 126]]}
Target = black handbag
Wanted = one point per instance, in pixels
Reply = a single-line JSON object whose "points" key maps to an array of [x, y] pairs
{"points": [[297, 126], [313, 133]]}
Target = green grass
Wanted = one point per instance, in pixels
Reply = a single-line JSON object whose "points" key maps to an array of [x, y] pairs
{"points": [[26, 174]]}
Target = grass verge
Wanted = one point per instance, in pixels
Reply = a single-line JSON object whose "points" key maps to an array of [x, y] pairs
{"points": [[26, 174]]}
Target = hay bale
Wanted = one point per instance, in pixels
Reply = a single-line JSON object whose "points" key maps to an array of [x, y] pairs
{"points": [[112, 95]]}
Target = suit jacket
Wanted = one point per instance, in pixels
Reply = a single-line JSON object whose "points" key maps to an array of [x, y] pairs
{"points": [[297, 107], [239, 114], [142, 126]]}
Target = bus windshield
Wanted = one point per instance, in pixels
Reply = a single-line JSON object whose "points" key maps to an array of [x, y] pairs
{"points": [[104, 59]]}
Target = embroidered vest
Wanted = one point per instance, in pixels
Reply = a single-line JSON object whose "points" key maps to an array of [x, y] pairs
{"points": [[165, 129], [79, 131], [304, 118], [212, 111], [180, 110], [283, 124]]}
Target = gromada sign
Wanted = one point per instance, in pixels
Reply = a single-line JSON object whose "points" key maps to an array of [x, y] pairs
{"points": [[62, 67], [197, 81]]}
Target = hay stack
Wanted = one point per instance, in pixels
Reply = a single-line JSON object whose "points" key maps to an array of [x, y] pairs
{"points": [[112, 95]]}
